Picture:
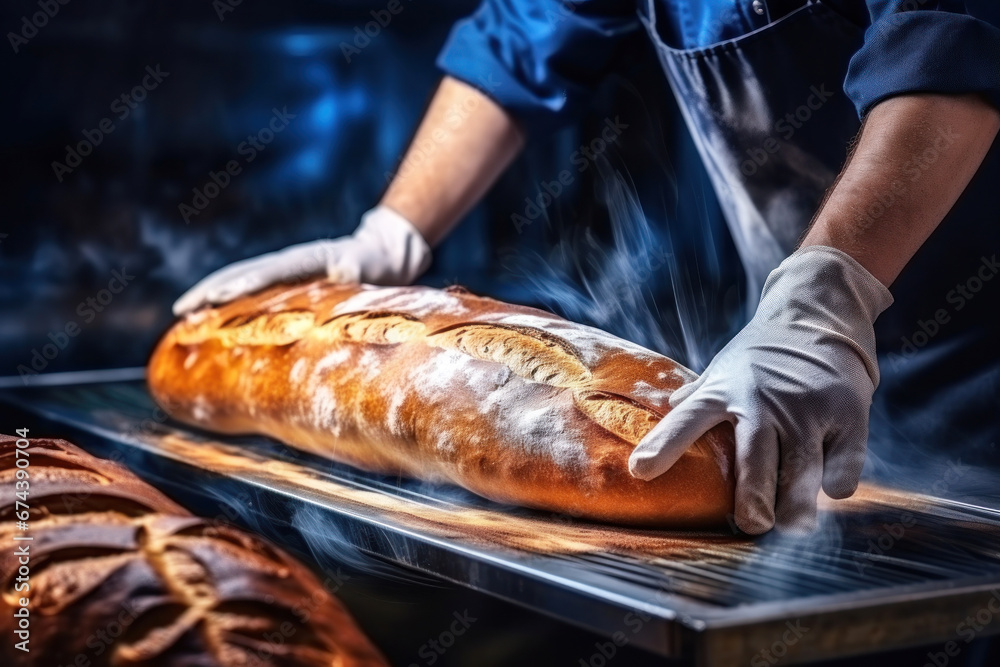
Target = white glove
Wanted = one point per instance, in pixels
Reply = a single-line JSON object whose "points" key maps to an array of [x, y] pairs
{"points": [[797, 383], [385, 249]]}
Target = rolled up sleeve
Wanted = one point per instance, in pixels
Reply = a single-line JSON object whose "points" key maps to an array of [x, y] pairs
{"points": [[924, 46], [538, 59]]}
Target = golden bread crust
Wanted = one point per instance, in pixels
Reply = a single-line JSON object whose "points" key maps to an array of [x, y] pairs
{"points": [[512, 403]]}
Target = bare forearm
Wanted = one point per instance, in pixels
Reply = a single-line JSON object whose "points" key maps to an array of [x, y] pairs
{"points": [[914, 158], [463, 144]]}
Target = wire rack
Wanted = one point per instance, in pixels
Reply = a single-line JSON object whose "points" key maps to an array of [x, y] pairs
{"points": [[887, 569]]}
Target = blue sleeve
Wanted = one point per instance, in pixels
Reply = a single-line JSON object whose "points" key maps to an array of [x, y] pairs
{"points": [[538, 59], [924, 46]]}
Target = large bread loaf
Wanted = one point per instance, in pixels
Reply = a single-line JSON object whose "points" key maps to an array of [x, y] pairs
{"points": [[120, 576], [512, 403]]}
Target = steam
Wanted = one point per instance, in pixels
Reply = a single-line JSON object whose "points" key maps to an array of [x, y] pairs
{"points": [[331, 546], [265, 513], [662, 285], [619, 287]]}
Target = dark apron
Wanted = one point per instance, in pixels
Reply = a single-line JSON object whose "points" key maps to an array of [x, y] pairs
{"points": [[772, 123]]}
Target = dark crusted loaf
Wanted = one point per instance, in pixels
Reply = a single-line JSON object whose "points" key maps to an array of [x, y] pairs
{"points": [[122, 576]]}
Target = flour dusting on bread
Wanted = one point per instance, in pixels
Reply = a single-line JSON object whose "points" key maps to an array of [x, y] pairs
{"points": [[325, 409], [542, 429], [658, 397], [591, 343], [417, 303], [530, 352], [511, 402]]}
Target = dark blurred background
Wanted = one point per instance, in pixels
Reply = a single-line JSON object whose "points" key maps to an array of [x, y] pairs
{"points": [[91, 258], [223, 70], [93, 254]]}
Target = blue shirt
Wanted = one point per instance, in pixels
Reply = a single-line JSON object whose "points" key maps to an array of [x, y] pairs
{"points": [[540, 59]]}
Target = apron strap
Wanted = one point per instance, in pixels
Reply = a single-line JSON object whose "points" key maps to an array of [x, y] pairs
{"points": [[650, 18]]}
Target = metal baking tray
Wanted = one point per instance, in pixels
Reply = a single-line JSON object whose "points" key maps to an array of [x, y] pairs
{"points": [[887, 570]]}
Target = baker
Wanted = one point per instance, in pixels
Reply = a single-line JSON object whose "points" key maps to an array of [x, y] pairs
{"points": [[851, 147]]}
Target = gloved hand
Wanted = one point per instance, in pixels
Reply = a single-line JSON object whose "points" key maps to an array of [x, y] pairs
{"points": [[385, 249], [797, 383]]}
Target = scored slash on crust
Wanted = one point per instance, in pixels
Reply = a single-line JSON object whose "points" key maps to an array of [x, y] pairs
{"points": [[529, 352]]}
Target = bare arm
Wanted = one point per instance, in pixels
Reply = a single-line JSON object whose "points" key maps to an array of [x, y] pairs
{"points": [[915, 156], [797, 382], [463, 144]]}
